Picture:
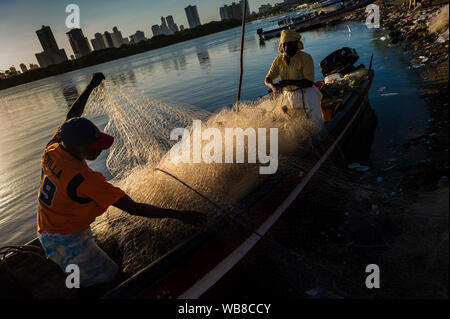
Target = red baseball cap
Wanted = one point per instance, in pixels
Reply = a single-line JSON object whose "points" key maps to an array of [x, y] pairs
{"points": [[103, 143], [79, 131]]}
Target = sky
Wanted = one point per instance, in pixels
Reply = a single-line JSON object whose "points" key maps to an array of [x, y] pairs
{"points": [[19, 20]]}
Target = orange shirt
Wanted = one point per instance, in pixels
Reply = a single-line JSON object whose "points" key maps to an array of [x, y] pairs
{"points": [[71, 194]]}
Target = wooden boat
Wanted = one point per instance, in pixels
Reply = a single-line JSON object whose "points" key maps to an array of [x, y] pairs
{"points": [[195, 267], [314, 22]]}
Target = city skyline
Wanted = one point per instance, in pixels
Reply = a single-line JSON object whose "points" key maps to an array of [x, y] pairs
{"points": [[25, 19]]}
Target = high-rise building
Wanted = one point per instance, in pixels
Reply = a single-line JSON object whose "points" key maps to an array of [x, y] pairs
{"points": [[98, 43], [234, 10], [95, 45], [173, 27], [247, 13], [23, 67], [47, 39], [264, 8], [137, 37], [79, 43], [107, 39], [223, 13], [117, 37], [156, 30], [164, 29], [192, 16], [51, 54], [13, 71]]}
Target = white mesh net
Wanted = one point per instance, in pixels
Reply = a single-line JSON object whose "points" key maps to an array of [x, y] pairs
{"points": [[141, 127]]}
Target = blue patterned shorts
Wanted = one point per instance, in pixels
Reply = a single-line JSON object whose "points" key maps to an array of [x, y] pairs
{"points": [[80, 249]]}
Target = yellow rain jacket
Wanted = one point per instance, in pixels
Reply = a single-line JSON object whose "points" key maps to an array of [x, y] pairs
{"points": [[300, 66]]}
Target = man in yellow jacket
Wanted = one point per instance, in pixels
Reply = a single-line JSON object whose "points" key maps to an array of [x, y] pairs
{"points": [[295, 69]]}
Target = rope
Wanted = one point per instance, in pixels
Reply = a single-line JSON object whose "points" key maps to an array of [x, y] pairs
{"points": [[211, 202], [303, 101], [309, 264]]}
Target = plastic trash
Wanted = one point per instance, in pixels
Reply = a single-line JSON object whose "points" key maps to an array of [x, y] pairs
{"points": [[362, 168], [379, 179], [354, 165], [423, 59], [381, 89], [383, 38], [389, 94], [332, 78], [442, 38], [416, 66]]}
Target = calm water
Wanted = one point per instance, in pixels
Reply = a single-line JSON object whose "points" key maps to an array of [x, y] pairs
{"points": [[203, 72]]}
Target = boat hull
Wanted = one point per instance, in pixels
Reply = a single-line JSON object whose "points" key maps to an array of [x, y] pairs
{"points": [[313, 23], [194, 268]]}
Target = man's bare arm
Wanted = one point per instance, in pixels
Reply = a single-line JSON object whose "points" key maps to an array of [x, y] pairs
{"points": [[274, 87], [77, 108], [144, 210]]}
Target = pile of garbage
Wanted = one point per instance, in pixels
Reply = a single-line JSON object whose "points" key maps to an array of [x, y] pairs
{"points": [[424, 27], [416, 25]]}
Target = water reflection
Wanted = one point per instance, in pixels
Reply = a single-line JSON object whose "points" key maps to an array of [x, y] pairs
{"points": [[182, 62], [249, 42], [124, 78], [176, 63], [234, 47], [203, 57]]}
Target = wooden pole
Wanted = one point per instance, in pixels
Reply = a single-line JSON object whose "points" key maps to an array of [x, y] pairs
{"points": [[244, 13]]}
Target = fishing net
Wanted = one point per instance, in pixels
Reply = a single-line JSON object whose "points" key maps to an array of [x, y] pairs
{"points": [[141, 165]]}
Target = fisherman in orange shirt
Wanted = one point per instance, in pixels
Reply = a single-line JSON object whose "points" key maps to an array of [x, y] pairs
{"points": [[72, 195]]}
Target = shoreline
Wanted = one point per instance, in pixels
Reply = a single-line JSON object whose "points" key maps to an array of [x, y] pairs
{"points": [[111, 54]]}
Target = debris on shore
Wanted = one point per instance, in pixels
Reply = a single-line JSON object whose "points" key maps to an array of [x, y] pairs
{"points": [[397, 217]]}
